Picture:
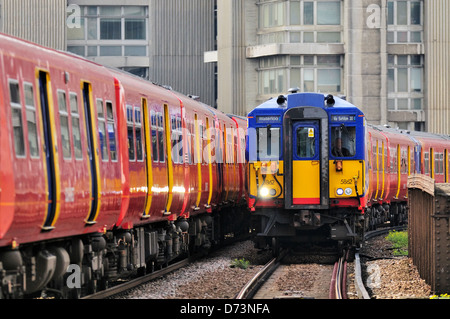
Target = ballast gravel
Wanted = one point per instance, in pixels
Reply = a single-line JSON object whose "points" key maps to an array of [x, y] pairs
{"points": [[214, 277], [210, 278]]}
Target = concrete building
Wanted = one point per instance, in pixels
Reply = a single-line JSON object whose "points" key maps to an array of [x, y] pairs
{"points": [[42, 22], [388, 57], [160, 40]]}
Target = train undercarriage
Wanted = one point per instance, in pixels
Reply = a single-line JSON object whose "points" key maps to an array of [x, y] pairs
{"points": [[311, 230], [79, 266]]}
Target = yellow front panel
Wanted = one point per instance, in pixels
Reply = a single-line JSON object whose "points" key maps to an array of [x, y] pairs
{"points": [[306, 182], [342, 183], [270, 179]]}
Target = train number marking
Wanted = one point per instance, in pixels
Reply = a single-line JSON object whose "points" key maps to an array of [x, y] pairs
{"points": [[347, 181]]}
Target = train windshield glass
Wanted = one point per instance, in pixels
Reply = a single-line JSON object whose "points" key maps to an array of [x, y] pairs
{"points": [[343, 141], [268, 147]]}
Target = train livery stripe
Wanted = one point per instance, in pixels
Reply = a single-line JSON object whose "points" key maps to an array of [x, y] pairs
{"points": [[306, 201], [51, 160]]}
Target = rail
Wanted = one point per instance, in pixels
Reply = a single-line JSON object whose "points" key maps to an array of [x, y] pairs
{"points": [[138, 281], [252, 286]]}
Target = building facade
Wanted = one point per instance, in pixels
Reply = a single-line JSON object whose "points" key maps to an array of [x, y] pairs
{"points": [[387, 57], [42, 22], [159, 40]]}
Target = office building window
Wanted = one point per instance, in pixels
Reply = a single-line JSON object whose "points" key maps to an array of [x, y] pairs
{"points": [[310, 73], [272, 14], [405, 82], [110, 31], [321, 73], [315, 12], [405, 21]]}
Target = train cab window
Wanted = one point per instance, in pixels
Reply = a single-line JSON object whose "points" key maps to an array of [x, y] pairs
{"points": [[75, 125], [102, 130], [111, 130], [16, 114], [31, 120], [64, 123], [268, 143], [343, 139]]}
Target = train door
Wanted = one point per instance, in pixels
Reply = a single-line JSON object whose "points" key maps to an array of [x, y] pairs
{"points": [[51, 154], [92, 154], [148, 156], [306, 158], [306, 163]]}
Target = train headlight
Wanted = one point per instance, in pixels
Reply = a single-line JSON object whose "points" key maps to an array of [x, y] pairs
{"points": [[339, 191], [348, 191], [264, 192]]}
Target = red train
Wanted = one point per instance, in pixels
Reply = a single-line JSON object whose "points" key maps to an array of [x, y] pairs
{"points": [[107, 172], [392, 156]]}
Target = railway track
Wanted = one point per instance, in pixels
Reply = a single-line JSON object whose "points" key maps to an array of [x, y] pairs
{"points": [[252, 286], [338, 286], [136, 282]]}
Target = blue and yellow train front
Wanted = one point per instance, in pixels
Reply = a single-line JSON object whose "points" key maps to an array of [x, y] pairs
{"points": [[307, 175]]}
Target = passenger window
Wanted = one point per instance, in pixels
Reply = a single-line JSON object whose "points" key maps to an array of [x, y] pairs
{"points": [[162, 157], [64, 122], [426, 163], [343, 141], [131, 153], [31, 120], [75, 126], [111, 131], [102, 130], [137, 122], [174, 139], [16, 114], [154, 137]]}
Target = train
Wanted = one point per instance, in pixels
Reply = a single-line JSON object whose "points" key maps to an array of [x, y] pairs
{"points": [[105, 175], [320, 176]]}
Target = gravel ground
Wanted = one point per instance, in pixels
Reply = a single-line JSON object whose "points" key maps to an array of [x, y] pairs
{"points": [[214, 278], [391, 277], [211, 278]]}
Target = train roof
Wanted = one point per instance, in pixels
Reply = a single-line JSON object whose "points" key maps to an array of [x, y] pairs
{"points": [[285, 102], [415, 134]]}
